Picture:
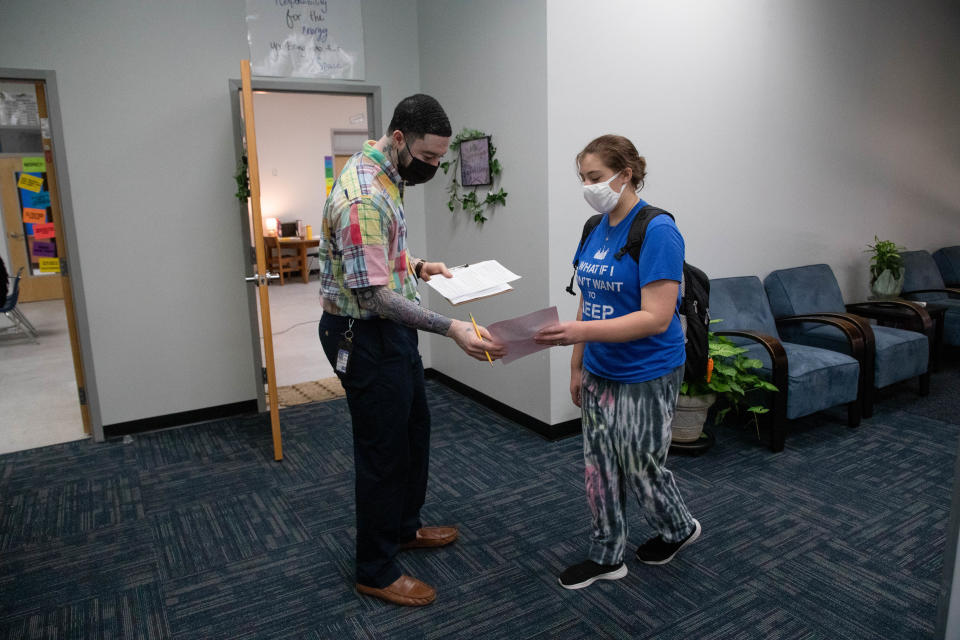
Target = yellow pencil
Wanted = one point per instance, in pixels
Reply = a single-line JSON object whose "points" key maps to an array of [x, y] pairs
{"points": [[477, 330]]}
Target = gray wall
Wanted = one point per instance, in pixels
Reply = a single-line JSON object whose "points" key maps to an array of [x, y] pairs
{"points": [[149, 142], [483, 61]]}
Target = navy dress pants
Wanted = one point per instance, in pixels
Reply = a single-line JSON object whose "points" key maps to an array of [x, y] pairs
{"points": [[391, 437]]}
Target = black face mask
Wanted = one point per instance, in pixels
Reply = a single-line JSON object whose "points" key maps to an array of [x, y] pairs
{"points": [[417, 171]]}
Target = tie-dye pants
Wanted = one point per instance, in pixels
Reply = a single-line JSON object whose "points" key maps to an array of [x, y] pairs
{"points": [[626, 436]]}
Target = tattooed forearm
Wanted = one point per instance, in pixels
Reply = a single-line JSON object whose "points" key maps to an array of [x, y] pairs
{"points": [[394, 306]]}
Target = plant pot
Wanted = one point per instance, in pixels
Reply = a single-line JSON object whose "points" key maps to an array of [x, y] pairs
{"points": [[886, 286], [690, 415]]}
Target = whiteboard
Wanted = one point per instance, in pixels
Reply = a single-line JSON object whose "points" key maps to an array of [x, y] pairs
{"points": [[306, 38]]}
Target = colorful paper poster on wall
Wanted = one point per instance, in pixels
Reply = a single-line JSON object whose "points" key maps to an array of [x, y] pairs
{"points": [[328, 172], [33, 216], [44, 230], [36, 165], [49, 265], [38, 200], [306, 38], [30, 183], [44, 249]]}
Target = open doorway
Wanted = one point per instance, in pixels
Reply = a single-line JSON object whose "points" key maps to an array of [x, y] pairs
{"points": [[43, 400], [302, 139], [305, 132]]}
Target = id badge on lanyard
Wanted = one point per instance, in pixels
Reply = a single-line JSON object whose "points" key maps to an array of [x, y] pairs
{"points": [[345, 348]]}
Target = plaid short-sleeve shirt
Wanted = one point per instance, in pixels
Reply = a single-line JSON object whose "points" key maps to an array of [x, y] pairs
{"points": [[364, 242]]}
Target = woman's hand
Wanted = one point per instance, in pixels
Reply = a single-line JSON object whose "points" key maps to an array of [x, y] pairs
{"points": [[434, 269], [576, 375], [561, 334]]}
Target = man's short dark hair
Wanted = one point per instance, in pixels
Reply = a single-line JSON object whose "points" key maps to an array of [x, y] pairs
{"points": [[419, 115]]}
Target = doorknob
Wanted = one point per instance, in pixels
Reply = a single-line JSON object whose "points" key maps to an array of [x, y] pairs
{"points": [[255, 279], [15, 235]]}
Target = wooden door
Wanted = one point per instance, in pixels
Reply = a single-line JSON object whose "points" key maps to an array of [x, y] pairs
{"points": [[261, 275], [339, 161]]}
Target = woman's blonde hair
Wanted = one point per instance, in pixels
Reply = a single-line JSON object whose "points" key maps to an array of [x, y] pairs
{"points": [[617, 153]]}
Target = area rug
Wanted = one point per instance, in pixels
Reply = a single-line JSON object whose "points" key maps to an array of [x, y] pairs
{"points": [[312, 391]]}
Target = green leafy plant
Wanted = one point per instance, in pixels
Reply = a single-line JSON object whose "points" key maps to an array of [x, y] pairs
{"points": [[242, 177], [470, 202], [730, 375], [886, 257]]}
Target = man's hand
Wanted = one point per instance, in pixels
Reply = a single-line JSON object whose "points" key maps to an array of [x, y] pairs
{"points": [[433, 269], [562, 334], [465, 337]]}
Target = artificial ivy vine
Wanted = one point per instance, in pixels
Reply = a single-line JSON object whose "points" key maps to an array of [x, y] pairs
{"points": [[470, 202], [242, 176]]}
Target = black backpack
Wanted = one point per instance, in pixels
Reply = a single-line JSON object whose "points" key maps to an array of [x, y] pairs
{"points": [[694, 308]]}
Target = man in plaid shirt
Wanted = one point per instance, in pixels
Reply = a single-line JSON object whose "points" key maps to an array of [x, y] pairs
{"points": [[371, 314]]}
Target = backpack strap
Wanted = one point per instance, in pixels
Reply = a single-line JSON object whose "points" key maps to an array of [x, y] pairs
{"points": [[588, 227], [638, 231]]}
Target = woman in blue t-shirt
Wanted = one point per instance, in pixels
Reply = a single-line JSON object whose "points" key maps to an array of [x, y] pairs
{"points": [[627, 366]]}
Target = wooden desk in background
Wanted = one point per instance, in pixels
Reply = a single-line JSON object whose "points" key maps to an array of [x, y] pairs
{"points": [[301, 245]]}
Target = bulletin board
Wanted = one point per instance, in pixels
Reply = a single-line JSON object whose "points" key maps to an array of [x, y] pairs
{"points": [[38, 226], [306, 38]]}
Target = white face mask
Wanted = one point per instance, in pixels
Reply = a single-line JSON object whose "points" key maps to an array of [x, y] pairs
{"points": [[601, 196]]}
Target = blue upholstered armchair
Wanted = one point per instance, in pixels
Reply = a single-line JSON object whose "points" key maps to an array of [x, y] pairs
{"points": [[948, 261], [891, 355], [922, 280], [810, 379]]}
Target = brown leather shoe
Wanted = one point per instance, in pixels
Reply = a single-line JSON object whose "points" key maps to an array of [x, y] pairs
{"points": [[405, 590], [431, 537]]}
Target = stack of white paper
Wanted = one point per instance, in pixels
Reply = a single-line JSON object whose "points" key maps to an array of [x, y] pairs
{"points": [[473, 281]]}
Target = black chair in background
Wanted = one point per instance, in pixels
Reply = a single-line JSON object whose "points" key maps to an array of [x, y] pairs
{"points": [[13, 313]]}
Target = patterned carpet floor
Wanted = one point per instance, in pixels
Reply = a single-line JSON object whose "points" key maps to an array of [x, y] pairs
{"points": [[197, 533]]}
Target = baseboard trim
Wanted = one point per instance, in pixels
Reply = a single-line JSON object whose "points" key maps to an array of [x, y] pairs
{"points": [[550, 432], [180, 419]]}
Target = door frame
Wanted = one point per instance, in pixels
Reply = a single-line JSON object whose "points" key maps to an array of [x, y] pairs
{"points": [[285, 85], [81, 323]]}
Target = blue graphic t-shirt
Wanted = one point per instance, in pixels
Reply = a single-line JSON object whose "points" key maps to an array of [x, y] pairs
{"points": [[611, 288]]}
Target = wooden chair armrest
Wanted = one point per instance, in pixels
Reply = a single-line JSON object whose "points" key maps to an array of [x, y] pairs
{"points": [[779, 378], [774, 348], [855, 338], [862, 324]]}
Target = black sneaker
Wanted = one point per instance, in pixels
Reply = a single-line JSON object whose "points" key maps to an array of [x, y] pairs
{"points": [[659, 551], [586, 573]]}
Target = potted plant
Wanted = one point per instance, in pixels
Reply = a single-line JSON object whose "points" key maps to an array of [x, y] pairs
{"points": [[886, 268], [730, 377]]}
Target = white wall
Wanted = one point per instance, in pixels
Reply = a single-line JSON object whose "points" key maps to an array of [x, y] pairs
{"points": [[484, 62], [779, 133], [293, 137], [149, 143]]}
